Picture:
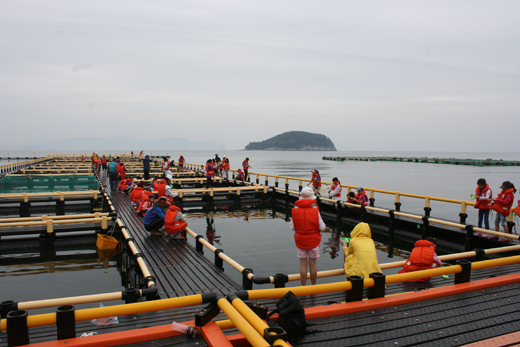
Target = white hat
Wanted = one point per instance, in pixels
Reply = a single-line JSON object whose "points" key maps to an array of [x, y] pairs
{"points": [[169, 177], [307, 193]]}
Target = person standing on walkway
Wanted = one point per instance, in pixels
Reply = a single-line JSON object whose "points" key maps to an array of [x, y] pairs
{"points": [[483, 195], [146, 167], [307, 225], [112, 174], [181, 163], [335, 190], [502, 204], [316, 182], [209, 174], [245, 167]]}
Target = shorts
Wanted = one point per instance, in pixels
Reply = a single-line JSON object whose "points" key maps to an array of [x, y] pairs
{"points": [[310, 253], [502, 218]]}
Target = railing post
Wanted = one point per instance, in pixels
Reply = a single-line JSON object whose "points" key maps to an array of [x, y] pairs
{"points": [[391, 225], [300, 186], [468, 244], [66, 322], [427, 208], [424, 229], [465, 275], [356, 292], [280, 280], [17, 330], [463, 215], [378, 290], [198, 245], [247, 284], [397, 201], [218, 261], [6, 307], [372, 199]]}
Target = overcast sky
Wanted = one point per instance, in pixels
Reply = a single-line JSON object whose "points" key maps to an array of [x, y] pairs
{"points": [[371, 75]]}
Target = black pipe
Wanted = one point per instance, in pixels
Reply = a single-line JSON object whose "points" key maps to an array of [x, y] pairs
{"points": [[66, 322]]}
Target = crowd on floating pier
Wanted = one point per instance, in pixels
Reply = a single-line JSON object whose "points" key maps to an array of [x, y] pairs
{"points": [[220, 167]]}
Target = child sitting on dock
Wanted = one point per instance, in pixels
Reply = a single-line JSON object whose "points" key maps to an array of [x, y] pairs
{"points": [[136, 193], [147, 201], [174, 222], [360, 252], [423, 257]]}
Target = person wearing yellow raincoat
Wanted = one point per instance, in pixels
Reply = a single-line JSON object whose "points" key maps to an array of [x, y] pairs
{"points": [[360, 253]]}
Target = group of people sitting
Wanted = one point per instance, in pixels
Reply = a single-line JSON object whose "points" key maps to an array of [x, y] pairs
{"points": [[158, 209]]}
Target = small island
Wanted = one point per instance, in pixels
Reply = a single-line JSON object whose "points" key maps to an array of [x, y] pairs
{"points": [[294, 141]]}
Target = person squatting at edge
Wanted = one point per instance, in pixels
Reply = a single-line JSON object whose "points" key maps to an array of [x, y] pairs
{"points": [[307, 225], [360, 252], [423, 257], [154, 217]]}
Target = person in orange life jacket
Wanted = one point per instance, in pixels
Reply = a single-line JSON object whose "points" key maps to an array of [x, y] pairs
{"points": [[502, 204], [240, 175], [175, 223], [225, 167], [125, 184], [166, 166], [361, 197], [423, 257], [147, 201], [122, 170], [350, 197], [82, 158], [245, 166], [164, 189], [154, 217], [181, 163], [307, 225], [97, 164], [209, 173], [483, 195], [316, 182], [137, 193], [104, 163], [335, 190]]}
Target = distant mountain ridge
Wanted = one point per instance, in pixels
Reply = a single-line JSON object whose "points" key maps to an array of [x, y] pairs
{"points": [[121, 143], [294, 141]]}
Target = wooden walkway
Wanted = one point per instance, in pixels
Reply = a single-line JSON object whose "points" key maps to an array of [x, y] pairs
{"points": [[178, 268]]}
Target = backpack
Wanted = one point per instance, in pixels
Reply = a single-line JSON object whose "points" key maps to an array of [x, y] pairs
{"points": [[291, 316]]}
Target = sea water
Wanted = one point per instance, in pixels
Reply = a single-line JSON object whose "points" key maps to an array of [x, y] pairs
{"points": [[263, 241]]}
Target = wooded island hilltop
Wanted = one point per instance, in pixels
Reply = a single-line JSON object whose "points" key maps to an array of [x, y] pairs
{"points": [[294, 141]]}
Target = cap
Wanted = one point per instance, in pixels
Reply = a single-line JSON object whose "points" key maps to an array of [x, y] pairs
{"points": [[147, 155], [163, 198], [360, 189], [307, 193], [505, 185]]}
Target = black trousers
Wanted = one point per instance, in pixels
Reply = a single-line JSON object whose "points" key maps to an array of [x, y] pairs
{"points": [[155, 225], [146, 174]]}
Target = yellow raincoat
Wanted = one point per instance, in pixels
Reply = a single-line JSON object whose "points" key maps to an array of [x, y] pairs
{"points": [[361, 253]]}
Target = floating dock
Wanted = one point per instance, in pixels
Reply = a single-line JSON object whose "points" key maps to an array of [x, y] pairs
{"points": [[453, 161], [169, 279]]}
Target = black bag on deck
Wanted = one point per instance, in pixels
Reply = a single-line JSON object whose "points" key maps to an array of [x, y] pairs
{"points": [[291, 316]]}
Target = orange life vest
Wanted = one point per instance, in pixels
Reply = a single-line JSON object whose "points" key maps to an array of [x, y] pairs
{"points": [[334, 186], [161, 189], [421, 258], [316, 180], [305, 216], [245, 165], [170, 225], [181, 160], [137, 193], [165, 165], [359, 196], [501, 208], [209, 173], [483, 204]]}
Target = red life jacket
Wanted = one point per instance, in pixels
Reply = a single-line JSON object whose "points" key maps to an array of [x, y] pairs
{"points": [[316, 180], [240, 175], [483, 204], [334, 186], [137, 193], [161, 189], [209, 173], [305, 216], [226, 166], [359, 196], [165, 165], [144, 199], [421, 258], [245, 165], [181, 161], [104, 160], [504, 210], [170, 225]]}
